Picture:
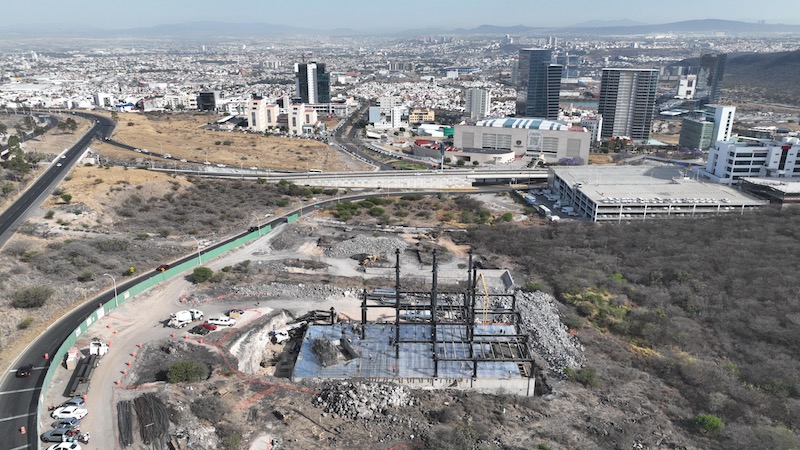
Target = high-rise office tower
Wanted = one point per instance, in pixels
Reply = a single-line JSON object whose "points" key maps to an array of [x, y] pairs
{"points": [[478, 103], [627, 102], [709, 78], [312, 83], [538, 84]]}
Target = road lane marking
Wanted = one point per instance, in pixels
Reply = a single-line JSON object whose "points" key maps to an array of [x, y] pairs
{"points": [[20, 390], [17, 417]]}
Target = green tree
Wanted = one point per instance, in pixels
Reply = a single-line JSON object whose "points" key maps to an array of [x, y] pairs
{"points": [[201, 275], [71, 124], [460, 162], [188, 371], [13, 142], [709, 423], [66, 197]]}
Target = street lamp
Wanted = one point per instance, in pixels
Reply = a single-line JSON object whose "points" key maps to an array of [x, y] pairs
{"points": [[199, 259], [257, 224], [116, 301]]}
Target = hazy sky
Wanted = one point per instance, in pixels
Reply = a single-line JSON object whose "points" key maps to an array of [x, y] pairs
{"points": [[402, 14]]}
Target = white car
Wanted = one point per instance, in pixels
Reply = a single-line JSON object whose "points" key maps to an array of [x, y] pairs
{"points": [[63, 156], [65, 412], [74, 401], [222, 321], [65, 446], [58, 165]]}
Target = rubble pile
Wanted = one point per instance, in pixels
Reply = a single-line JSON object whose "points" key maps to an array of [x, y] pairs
{"points": [[366, 244], [279, 290], [362, 400], [550, 338]]}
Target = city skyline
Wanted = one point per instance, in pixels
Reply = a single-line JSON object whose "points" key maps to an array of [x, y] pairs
{"points": [[360, 15]]}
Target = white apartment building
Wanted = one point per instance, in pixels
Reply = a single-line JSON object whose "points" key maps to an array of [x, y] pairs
{"points": [[262, 114], [687, 86], [593, 124], [478, 103], [732, 160], [723, 121], [301, 119]]}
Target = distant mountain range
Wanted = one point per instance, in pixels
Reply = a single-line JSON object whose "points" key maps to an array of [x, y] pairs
{"points": [[211, 29]]}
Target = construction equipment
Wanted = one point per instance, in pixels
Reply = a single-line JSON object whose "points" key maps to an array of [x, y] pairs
{"points": [[370, 259]]}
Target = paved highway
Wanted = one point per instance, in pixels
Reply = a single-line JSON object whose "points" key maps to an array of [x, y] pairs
{"points": [[44, 185]]}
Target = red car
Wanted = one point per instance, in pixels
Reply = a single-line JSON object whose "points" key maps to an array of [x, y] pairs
{"points": [[162, 268], [208, 326]]}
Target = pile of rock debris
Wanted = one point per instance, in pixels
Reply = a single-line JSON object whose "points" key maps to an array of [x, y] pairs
{"points": [[362, 400]]}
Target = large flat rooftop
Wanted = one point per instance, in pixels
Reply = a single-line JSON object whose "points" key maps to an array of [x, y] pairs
{"points": [[648, 184], [377, 352]]}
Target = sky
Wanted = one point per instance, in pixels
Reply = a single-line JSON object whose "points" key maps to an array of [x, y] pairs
{"points": [[395, 15]]}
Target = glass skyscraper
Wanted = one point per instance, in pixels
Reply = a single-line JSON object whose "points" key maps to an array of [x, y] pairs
{"points": [[538, 84]]}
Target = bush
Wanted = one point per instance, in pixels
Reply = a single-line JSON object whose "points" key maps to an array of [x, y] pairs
{"points": [[532, 287], [32, 297], [201, 275], [208, 408], [709, 423], [188, 371], [585, 376], [66, 197], [25, 323], [49, 214], [86, 275]]}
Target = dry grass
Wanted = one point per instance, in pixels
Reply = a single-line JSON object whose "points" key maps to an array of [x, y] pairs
{"points": [[100, 189], [600, 158], [181, 135]]}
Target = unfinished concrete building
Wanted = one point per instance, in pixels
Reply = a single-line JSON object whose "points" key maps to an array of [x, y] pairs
{"points": [[469, 339]]}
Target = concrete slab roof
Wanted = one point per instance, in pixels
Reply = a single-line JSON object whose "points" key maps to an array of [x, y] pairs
{"points": [[377, 352], [648, 183]]}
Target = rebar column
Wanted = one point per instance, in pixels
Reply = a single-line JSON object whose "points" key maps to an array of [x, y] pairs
{"points": [[433, 315], [363, 315], [397, 304]]}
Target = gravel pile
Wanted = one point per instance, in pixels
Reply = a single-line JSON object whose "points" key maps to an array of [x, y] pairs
{"points": [[362, 400], [362, 243], [549, 337], [319, 292]]}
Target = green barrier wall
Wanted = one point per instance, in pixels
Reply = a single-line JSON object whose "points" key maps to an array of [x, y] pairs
{"points": [[122, 297]]}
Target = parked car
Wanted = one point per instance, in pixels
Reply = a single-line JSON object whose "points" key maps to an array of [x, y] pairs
{"points": [[65, 446], [198, 329], [222, 321], [162, 268], [234, 311], [56, 435], [24, 371], [70, 422], [65, 412], [208, 326], [74, 401]]}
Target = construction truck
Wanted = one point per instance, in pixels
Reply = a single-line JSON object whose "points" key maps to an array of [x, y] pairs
{"points": [[182, 318]]}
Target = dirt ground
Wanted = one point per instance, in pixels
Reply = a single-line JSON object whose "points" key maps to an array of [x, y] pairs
{"points": [[182, 136]]}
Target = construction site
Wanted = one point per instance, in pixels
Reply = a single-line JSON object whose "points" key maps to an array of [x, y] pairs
{"points": [[470, 339]]}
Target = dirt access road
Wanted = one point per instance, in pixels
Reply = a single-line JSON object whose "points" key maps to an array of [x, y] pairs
{"points": [[139, 321]]}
